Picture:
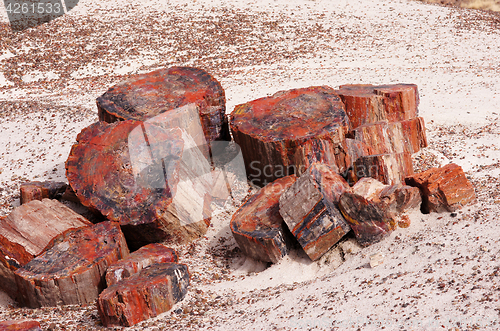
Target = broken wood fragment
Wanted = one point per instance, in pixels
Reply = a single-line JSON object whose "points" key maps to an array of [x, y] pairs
{"points": [[387, 168], [41, 190]]}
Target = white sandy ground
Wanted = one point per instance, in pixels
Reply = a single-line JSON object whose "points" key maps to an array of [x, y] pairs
{"points": [[439, 274]]}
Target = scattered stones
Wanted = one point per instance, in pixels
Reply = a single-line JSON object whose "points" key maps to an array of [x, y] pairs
{"points": [[20, 325], [28, 231], [443, 189], [388, 168], [285, 133], [257, 225], [72, 272], [146, 294], [146, 96], [138, 260], [41, 190], [309, 208]]}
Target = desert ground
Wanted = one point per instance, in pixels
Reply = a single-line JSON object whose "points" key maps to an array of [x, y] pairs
{"points": [[441, 273]]}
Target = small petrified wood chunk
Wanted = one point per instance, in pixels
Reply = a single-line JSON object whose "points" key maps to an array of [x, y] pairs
{"points": [[387, 168], [285, 133], [146, 294], [72, 272], [20, 325], [443, 189], [154, 181], [29, 230], [138, 260], [148, 95], [370, 208], [257, 225], [309, 209], [367, 104], [41, 190]]}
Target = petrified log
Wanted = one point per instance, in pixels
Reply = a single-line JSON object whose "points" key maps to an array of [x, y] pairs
{"points": [[20, 325], [309, 209], [285, 133], [144, 295], [366, 104], [148, 95], [387, 168], [138, 260], [406, 136], [154, 181], [370, 208], [443, 189], [28, 231], [72, 272], [257, 225], [41, 190]]}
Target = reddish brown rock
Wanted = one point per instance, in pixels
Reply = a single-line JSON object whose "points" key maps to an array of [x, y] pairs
{"points": [[28, 231], [41, 190], [367, 104], [443, 189], [146, 294], [309, 209], [20, 325], [150, 179], [258, 227], [72, 272], [146, 96], [138, 260], [387, 168], [285, 133]]}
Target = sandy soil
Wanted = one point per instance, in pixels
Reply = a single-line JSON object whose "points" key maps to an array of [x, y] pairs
{"points": [[440, 273]]}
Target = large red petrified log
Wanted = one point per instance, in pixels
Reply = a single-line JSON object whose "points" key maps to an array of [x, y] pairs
{"points": [[285, 133], [372, 103], [20, 325], [28, 231], [387, 168], [150, 179], [443, 189], [41, 190], [258, 227], [138, 260], [309, 209], [72, 272], [144, 295], [148, 95]]}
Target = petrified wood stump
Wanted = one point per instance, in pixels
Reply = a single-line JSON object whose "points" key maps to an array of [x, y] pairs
{"points": [[138, 260], [366, 104], [72, 272], [258, 227], [309, 209], [144, 295], [150, 179], [20, 325], [41, 190], [28, 231], [387, 168], [285, 133], [443, 189], [148, 95]]}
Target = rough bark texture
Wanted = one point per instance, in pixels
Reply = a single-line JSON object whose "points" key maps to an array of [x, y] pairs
{"points": [[138, 260], [258, 227], [41, 190], [154, 181], [285, 133], [20, 325], [309, 209], [72, 272], [148, 95], [28, 231], [443, 189], [144, 295], [387, 168], [367, 104]]}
